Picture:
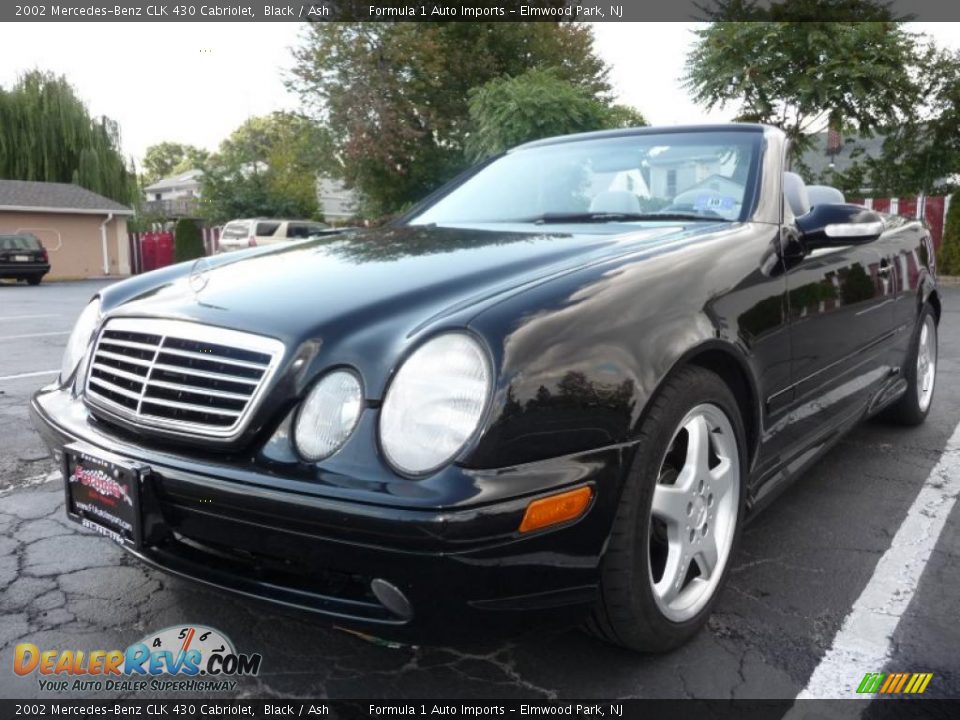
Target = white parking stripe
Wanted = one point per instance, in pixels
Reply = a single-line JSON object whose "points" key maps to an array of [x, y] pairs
{"points": [[28, 375], [33, 335], [26, 317], [864, 643]]}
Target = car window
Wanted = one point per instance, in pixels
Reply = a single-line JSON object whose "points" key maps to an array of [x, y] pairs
{"points": [[297, 230], [266, 229], [235, 230], [709, 174], [19, 242]]}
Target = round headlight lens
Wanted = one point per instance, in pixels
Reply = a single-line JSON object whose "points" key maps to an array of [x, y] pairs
{"points": [[328, 415], [80, 339], [434, 404]]}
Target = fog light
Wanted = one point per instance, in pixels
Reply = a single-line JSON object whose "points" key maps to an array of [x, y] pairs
{"points": [[392, 598], [556, 509]]}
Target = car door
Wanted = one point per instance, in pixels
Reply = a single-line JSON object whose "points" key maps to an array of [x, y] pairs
{"points": [[841, 327]]}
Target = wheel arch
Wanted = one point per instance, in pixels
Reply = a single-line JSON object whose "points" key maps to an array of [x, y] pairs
{"points": [[934, 299], [730, 364]]}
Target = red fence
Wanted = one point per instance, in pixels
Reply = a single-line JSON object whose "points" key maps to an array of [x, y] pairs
{"points": [[152, 250], [931, 209]]}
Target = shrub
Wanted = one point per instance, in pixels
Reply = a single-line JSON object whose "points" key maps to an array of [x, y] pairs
{"points": [[948, 260], [188, 241]]}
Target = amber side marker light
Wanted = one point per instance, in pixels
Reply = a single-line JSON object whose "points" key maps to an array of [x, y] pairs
{"points": [[556, 509]]}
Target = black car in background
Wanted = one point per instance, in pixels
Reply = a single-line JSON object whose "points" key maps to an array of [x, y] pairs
{"points": [[554, 390], [23, 257]]}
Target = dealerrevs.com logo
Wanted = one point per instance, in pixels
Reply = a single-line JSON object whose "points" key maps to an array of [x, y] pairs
{"points": [[185, 658]]}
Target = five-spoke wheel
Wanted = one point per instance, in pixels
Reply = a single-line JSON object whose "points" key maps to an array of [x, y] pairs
{"points": [[694, 512], [676, 525]]}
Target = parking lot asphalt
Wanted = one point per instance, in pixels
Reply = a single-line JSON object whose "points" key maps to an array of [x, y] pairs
{"points": [[801, 570]]}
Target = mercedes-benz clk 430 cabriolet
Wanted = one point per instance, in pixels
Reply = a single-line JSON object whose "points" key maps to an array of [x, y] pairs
{"points": [[556, 389]]}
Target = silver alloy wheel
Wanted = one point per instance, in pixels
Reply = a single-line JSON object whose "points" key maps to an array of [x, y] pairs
{"points": [[926, 362], [694, 512]]}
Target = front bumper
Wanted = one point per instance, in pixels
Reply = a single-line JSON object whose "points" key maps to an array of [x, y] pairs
{"points": [[457, 567]]}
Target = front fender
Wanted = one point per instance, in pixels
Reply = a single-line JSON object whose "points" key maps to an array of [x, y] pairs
{"points": [[579, 358]]}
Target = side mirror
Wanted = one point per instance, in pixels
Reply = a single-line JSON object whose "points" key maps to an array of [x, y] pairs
{"points": [[839, 225]]}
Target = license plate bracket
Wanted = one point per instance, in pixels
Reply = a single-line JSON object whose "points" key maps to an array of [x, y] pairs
{"points": [[103, 493]]}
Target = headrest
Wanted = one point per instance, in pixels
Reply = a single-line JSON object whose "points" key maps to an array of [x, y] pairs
{"points": [[825, 195], [795, 191]]}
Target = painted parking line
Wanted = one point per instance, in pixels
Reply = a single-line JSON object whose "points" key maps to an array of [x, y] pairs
{"points": [[26, 317], [35, 335], [865, 641], [28, 375]]}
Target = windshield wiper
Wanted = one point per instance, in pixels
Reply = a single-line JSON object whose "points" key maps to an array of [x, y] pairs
{"points": [[604, 217]]}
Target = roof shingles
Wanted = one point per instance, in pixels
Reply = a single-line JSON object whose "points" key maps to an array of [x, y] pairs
{"points": [[56, 197]]}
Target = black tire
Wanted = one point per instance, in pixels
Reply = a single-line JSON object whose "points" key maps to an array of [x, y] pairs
{"points": [[909, 410], [626, 612], [34, 279]]}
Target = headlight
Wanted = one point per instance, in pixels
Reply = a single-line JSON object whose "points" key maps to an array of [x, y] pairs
{"points": [[80, 339], [434, 404], [328, 415]]}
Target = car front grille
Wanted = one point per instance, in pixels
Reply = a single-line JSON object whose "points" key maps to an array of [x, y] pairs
{"points": [[180, 377]]}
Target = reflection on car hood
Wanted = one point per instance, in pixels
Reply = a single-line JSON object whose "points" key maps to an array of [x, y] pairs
{"points": [[419, 272]]}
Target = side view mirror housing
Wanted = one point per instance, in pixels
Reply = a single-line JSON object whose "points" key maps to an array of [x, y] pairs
{"points": [[839, 225]]}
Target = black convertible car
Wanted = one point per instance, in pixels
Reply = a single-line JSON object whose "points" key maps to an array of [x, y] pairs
{"points": [[555, 390]]}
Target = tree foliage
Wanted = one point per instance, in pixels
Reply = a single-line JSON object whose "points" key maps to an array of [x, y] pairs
{"points": [[188, 241], [508, 111], [395, 96], [48, 135], [948, 260], [169, 158], [921, 154], [268, 167], [798, 10], [806, 76]]}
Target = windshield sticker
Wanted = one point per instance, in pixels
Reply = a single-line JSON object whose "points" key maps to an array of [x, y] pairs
{"points": [[714, 202]]}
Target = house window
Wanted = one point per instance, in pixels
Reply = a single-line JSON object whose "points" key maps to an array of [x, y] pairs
{"points": [[671, 183], [156, 196]]}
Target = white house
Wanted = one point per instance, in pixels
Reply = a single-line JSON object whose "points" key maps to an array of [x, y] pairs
{"points": [[183, 185], [174, 196], [335, 200]]}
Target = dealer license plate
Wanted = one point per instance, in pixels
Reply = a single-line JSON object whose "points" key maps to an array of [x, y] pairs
{"points": [[103, 493]]}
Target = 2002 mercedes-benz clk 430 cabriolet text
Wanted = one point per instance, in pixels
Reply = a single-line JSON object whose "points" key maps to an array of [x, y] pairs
{"points": [[556, 389]]}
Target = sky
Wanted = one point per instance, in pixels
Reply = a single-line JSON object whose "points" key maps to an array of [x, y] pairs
{"points": [[196, 82]]}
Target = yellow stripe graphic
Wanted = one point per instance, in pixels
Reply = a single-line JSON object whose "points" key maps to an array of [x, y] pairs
{"points": [[910, 683]]}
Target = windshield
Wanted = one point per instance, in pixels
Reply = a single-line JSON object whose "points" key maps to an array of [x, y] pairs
{"points": [[703, 175]]}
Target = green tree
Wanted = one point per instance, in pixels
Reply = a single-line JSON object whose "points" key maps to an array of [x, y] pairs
{"points": [[921, 154], [188, 242], [267, 167], [47, 134], [948, 259], [168, 158], [537, 104], [806, 76], [395, 95]]}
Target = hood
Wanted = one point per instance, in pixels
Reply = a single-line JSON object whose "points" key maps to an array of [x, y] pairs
{"points": [[306, 288]]}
